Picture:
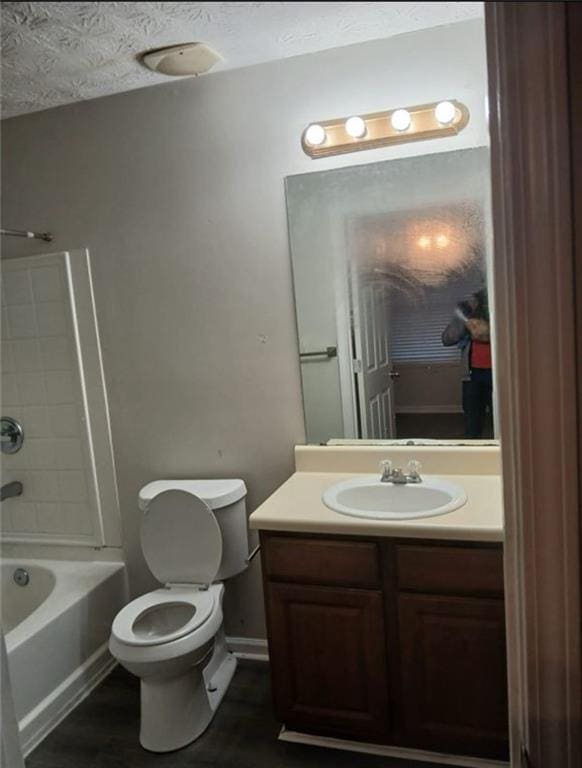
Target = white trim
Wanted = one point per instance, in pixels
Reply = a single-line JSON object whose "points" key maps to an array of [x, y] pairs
{"points": [[53, 709], [95, 396], [343, 328], [98, 529], [50, 539], [41, 550], [383, 750], [255, 648]]}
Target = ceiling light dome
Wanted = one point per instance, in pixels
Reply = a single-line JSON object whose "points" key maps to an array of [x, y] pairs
{"points": [[181, 60]]}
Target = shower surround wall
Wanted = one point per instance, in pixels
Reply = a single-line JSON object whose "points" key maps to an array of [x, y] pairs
{"points": [[177, 191], [42, 388]]}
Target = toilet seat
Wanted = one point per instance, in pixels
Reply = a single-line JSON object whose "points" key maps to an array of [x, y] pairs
{"points": [[131, 627], [181, 539], [182, 545]]}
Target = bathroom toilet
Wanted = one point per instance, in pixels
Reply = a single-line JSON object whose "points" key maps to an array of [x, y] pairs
{"points": [[193, 535]]}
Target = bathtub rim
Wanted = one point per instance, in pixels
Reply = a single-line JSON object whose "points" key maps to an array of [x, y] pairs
{"points": [[16, 589], [62, 597]]}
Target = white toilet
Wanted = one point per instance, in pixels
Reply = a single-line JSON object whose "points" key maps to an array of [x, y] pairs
{"points": [[193, 535]]}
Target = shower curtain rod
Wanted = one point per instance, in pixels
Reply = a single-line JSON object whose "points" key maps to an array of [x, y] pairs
{"points": [[46, 236]]}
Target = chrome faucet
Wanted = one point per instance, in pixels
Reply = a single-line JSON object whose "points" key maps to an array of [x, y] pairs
{"points": [[397, 476]]}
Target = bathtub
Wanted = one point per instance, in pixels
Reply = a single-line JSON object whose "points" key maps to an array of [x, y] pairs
{"points": [[56, 630]]}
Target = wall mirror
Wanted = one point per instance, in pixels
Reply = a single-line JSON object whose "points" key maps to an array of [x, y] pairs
{"points": [[391, 265]]}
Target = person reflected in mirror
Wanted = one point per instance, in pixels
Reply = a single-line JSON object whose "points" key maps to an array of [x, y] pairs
{"points": [[469, 329]]}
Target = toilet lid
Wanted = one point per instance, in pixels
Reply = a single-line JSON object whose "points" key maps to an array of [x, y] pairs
{"points": [[181, 539]]}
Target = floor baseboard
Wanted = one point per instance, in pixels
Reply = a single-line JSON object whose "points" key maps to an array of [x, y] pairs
{"points": [[383, 750], [254, 648]]}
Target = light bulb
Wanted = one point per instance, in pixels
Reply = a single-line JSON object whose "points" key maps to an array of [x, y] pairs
{"points": [[400, 120], [442, 241], [445, 112], [355, 127], [315, 135]]}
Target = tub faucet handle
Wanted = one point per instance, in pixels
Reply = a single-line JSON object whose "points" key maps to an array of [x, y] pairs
{"points": [[413, 471], [9, 490], [386, 469]]}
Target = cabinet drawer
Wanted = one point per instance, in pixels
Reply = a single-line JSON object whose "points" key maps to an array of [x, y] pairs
{"points": [[321, 561], [453, 570]]}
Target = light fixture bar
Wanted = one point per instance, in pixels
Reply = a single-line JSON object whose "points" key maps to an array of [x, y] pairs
{"points": [[381, 129]]}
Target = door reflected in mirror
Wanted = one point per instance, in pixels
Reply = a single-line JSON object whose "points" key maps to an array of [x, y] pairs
{"points": [[390, 267]]}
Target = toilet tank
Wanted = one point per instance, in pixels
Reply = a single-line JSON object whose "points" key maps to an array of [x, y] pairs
{"points": [[226, 498]]}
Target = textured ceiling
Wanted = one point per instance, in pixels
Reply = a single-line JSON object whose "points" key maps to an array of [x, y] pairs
{"points": [[57, 53]]}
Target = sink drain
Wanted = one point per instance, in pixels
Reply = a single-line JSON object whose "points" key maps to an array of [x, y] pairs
{"points": [[21, 577]]}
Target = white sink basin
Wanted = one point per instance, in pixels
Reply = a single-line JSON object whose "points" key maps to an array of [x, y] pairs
{"points": [[369, 497]]}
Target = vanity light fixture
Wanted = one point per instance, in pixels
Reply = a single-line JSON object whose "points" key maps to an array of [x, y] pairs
{"points": [[445, 112], [380, 129], [400, 120], [315, 135], [355, 127]]}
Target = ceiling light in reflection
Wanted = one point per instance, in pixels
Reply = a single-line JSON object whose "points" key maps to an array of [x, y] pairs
{"points": [[442, 241], [436, 249]]}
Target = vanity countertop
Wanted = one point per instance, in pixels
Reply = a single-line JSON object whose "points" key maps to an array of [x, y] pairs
{"points": [[296, 507]]}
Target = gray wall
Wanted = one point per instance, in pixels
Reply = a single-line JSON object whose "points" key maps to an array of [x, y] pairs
{"points": [[177, 191]]}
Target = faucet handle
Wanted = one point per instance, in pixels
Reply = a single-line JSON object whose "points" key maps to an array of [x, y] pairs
{"points": [[386, 467], [413, 469]]}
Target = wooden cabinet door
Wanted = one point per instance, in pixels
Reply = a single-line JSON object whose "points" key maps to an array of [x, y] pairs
{"points": [[327, 651], [453, 683]]}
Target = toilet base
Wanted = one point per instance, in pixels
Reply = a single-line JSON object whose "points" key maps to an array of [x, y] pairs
{"points": [[176, 711]]}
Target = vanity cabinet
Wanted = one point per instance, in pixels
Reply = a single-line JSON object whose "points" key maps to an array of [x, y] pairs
{"points": [[392, 641], [326, 626], [330, 665], [450, 678]]}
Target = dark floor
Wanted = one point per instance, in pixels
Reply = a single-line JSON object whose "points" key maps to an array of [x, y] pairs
{"points": [[103, 732], [437, 426], [431, 426]]}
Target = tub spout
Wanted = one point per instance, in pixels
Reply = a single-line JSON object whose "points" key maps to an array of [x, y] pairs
{"points": [[10, 489]]}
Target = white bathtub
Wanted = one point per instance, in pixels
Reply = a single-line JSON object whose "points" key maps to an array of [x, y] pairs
{"points": [[56, 630]]}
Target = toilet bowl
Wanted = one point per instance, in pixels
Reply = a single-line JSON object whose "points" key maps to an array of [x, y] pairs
{"points": [[172, 638]]}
